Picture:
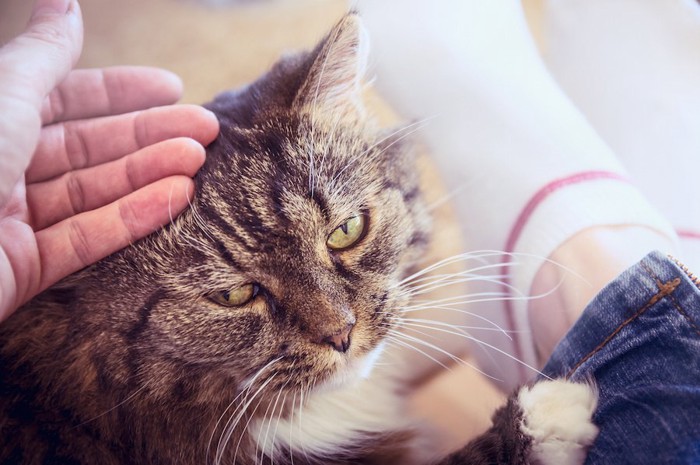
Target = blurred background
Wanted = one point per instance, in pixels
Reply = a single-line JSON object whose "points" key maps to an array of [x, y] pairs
{"points": [[212, 44]]}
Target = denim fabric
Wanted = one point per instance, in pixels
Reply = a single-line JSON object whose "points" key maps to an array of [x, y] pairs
{"points": [[639, 341]]}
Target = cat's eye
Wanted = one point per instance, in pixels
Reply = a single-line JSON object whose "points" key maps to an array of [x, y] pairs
{"points": [[235, 297], [348, 234]]}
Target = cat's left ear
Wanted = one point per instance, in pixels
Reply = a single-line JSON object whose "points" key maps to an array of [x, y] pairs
{"points": [[333, 86]]}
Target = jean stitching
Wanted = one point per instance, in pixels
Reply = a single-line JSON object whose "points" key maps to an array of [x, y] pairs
{"points": [[665, 289], [675, 303], [688, 318]]}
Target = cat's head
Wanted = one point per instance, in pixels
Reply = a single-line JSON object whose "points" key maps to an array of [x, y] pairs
{"points": [[285, 270]]}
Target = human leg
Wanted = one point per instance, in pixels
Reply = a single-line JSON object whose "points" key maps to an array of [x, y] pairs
{"points": [[633, 69], [577, 270], [526, 170]]}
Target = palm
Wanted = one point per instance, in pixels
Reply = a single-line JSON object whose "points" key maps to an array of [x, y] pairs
{"points": [[19, 259]]}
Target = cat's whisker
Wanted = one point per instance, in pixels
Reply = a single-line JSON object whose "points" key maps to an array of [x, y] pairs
{"points": [[301, 430], [332, 133], [496, 296], [360, 155], [413, 127], [245, 429], [449, 280], [480, 256], [400, 319], [221, 443], [239, 417], [495, 326], [485, 344], [123, 402], [332, 41], [269, 423], [244, 391], [375, 155], [481, 298], [428, 288], [291, 428], [213, 432], [454, 358], [470, 273], [198, 220], [463, 299], [227, 430], [426, 274], [445, 198], [427, 344], [396, 336], [500, 279], [170, 202], [279, 419], [260, 449]]}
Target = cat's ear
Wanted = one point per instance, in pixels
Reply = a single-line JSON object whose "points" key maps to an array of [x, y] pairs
{"points": [[332, 87]]}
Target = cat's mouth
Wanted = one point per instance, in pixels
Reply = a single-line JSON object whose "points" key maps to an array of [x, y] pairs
{"points": [[352, 370]]}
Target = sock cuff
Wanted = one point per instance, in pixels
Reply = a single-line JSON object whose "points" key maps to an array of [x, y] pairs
{"points": [[555, 213]]}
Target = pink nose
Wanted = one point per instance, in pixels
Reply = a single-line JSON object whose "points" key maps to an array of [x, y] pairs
{"points": [[341, 340]]}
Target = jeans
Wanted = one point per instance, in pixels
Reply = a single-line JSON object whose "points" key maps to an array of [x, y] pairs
{"points": [[639, 341]]}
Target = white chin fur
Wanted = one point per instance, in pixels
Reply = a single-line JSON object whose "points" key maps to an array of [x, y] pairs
{"points": [[557, 415], [335, 416]]}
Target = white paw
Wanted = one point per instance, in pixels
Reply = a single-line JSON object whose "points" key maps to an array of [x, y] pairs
{"points": [[557, 415]]}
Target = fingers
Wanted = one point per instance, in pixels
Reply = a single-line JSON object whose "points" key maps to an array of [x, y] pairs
{"points": [[80, 144], [30, 66], [88, 93], [81, 240], [79, 191]]}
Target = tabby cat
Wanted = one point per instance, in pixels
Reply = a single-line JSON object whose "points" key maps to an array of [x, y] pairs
{"points": [[270, 298]]}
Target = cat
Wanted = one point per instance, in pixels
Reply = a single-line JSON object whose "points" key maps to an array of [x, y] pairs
{"points": [[248, 329]]}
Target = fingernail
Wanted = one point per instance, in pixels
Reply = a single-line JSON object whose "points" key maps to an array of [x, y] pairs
{"points": [[211, 114], [173, 80], [52, 7]]}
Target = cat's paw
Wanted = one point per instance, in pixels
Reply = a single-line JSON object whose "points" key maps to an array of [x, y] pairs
{"points": [[557, 416]]}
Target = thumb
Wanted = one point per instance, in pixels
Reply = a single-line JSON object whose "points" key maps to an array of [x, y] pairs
{"points": [[31, 65], [41, 57]]}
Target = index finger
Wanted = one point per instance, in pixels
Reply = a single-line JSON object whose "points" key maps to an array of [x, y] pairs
{"points": [[80, 144], [88, 93]]}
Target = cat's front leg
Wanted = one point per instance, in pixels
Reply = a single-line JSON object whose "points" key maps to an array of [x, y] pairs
{"points": [[548, 423]]}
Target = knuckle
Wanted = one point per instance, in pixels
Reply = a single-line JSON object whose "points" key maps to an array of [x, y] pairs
{"points": [[129, 218], [80, 243], [76, 193], [75, 146], [57, 104]]}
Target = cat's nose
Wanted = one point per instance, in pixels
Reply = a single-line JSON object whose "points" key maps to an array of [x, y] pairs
{"points": [[340, 341]]}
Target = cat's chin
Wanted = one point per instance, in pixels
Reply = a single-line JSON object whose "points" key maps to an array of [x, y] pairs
{"points": [[352, 371]]}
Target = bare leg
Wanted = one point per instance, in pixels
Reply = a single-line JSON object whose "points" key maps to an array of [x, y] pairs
{"points": [[579, 269]]}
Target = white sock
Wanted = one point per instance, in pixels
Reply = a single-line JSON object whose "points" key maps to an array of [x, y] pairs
{"points": [[633, 68], [526, 169]]}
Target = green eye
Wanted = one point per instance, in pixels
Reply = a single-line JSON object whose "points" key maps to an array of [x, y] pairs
{"points": [[235, 297], [347, 234]]}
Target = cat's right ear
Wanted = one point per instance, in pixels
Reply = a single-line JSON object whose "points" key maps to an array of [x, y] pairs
{"points": [[333, 86]]}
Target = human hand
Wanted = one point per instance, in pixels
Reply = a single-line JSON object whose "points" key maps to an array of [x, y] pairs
{"points": [[82, 172]]}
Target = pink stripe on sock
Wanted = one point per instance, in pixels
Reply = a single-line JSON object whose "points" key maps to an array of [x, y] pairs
{"points": [[520, 224], [687, 234]]}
